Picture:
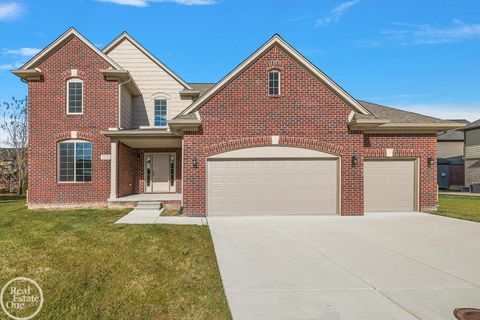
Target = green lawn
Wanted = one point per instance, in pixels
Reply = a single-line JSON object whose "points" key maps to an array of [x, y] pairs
{"points": [[467, 208], [90, 268]]}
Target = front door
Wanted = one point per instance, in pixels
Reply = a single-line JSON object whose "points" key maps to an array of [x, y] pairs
{"points": [[160, 172]]}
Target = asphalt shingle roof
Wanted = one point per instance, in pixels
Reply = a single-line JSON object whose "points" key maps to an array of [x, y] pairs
{"points": [[473, 125], [395, 115]]}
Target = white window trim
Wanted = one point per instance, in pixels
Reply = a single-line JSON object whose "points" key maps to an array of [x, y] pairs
{"points": [[76, 80], [166, 115], [74, 166], [279, 83]]}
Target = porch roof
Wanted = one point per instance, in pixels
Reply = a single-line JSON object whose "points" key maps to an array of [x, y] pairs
{"points": [[145, 138]]}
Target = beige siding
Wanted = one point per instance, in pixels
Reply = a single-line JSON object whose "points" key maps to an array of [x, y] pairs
{"points": [[389, 185], [153, 82], [472, 137], [126, 108], [450, 149]]}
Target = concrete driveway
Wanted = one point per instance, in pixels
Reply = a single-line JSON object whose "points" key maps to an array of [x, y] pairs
{"points": [[380, 266]]}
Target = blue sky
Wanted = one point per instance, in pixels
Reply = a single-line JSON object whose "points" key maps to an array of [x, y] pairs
{"points": [[423, 56]]}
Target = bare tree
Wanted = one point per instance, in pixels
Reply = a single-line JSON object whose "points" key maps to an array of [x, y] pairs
{"points": [[14, 127]]}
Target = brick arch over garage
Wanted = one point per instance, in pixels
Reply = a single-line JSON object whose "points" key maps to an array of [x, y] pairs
{"points": [[252, 142]]}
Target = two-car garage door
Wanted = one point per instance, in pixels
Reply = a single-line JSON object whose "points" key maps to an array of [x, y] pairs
{"points": [[255, 186]]}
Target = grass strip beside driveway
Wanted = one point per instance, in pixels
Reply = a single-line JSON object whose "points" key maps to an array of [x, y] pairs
{"points": [[90, 268], [466, 208]]}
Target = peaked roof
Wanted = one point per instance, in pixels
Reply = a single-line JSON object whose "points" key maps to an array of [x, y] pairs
{"points": [[124, 35], [71, 32], [277, 40], [473, 125]]}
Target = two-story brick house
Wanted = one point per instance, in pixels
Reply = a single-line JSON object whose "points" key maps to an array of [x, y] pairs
{"points": [[275, 136]]}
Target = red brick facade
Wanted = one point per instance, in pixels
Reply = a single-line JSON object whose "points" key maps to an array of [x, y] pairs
{"points": [[306, 114], [50, 124]]}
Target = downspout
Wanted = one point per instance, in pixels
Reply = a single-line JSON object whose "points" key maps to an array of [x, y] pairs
{"points": [[120, 102]]}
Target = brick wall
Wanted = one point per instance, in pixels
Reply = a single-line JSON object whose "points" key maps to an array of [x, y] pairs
{"points": [[125, 170], [306, 114], [50, 124]]}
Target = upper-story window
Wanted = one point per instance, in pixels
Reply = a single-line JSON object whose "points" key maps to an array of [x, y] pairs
{"points": [[274, 83], [160, 116], [75, 96], [74, 161]]}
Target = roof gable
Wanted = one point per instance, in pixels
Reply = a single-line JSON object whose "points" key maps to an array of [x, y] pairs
{"points": [[125, 36], [60, 41], [277, 40]]}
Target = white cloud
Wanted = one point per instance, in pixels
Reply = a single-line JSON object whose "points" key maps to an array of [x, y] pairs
{"points": [[6, 66], [22, 52], [410, 34], [10, 10], [135, 3], [470, 112], [144, 3], [336, 13]]}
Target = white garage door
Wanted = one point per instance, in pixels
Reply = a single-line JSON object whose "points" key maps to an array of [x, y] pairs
{"points": [[389, 185], [272, 186]]}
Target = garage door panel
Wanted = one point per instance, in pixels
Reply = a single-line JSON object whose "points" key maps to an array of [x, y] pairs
{"points": [[389, 185], [266, 186]]}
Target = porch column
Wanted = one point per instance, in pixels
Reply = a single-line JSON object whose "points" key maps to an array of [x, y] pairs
{"points": [[113, 169]]}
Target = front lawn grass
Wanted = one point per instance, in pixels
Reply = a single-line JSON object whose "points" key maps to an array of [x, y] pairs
{"points": [[90, 268], [467, 208]]}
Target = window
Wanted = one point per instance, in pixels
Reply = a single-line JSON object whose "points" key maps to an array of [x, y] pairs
{"points": [[160, 113], [75, 96], [74, 161], [274, 83]]}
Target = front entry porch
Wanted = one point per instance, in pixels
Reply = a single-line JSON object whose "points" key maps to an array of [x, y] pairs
{"points": [[146, 166]]}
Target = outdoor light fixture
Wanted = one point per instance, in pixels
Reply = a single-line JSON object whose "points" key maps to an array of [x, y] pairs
{"points": [[194, 162], [431, 161], [138, 157], [354, 160]]}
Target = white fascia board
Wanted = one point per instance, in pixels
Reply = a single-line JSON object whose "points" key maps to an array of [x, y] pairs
{"points": [[276, 39], [70, 32]]}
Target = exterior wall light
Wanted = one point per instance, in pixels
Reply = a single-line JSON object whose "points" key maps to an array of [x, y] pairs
{"points": [[138, 156], [194, 162], [354, 160], [431, 161]]}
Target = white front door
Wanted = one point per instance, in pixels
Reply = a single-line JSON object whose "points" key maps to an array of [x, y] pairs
{"points": [[159, 172]]}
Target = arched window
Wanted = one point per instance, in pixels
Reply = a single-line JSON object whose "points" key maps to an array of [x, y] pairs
{"points": [[74, 161], [274, 83], [74, 96]]}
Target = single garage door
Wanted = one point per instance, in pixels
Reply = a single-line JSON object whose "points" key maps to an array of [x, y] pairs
{"points": [[389, 185], [272, 186]]}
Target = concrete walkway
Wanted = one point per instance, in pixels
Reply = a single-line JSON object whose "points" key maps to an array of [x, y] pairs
{"points": [[381, 266], [463, 194], [149, 213]]}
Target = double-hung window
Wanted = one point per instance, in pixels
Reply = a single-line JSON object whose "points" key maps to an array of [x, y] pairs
{"points": [[274, 83], [74, 96], [74, 161], [160, 116]]}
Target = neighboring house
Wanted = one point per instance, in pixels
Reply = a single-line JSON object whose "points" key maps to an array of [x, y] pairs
{"points": [[472, 154], [450, 160], [276, 135], [8, 173]]}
